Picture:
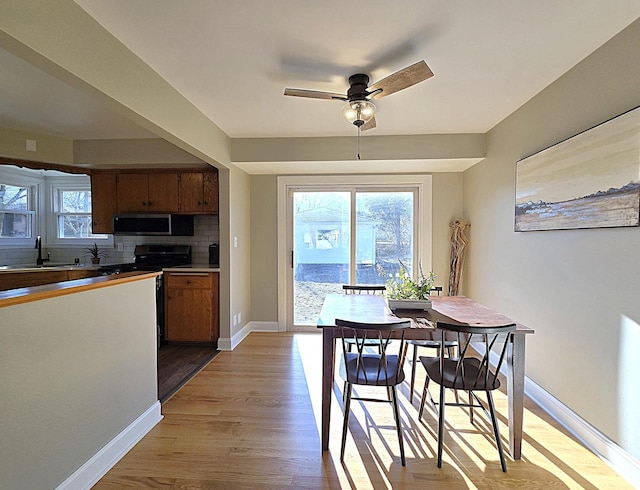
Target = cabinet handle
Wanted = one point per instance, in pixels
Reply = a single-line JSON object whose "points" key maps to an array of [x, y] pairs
{"points": [[187, 282], [150, 203], [199, 203], [205, 203], [144, 203]]}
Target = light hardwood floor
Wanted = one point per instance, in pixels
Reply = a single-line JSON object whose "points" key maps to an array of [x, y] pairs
{"points": [[251, 418]]}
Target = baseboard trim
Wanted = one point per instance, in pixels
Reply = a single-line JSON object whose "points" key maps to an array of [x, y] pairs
{"points": [[620, 461], [233, 342], [100, 463], [264, 326]]}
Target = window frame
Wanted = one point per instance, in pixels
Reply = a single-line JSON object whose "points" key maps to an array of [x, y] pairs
{"points": [[11, 177], [423, 220], [54, 186]]}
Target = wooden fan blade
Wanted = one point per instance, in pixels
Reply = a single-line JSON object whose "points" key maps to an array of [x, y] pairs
{"points": [[370, 124], [405, 78], [314, 94]]}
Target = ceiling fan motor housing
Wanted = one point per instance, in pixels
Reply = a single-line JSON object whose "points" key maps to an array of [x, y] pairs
{"points": [[358, 87]]}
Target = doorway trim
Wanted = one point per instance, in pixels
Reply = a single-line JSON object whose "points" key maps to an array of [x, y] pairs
{"points": [[424, 218]]}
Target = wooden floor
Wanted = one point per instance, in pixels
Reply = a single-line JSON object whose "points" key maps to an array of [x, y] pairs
{"points": [[250, 420], [177, 364]]}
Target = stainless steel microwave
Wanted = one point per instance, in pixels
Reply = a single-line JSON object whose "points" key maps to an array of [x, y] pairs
{"points": [[153, 224]]}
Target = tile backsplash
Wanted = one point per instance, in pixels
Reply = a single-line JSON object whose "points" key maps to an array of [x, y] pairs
{"points": [[206, 232]]}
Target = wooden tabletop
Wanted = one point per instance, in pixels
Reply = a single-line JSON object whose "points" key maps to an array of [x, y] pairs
{"points": [[373, 309]]}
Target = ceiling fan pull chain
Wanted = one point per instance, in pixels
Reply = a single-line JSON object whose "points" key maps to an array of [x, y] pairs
{"points": [[358, 142]]}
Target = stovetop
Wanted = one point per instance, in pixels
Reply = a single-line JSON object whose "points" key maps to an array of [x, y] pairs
{"points": [[152, 258]]}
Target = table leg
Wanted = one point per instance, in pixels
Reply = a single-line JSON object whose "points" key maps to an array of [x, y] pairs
{"points": [[328, 362], [515, 393]]}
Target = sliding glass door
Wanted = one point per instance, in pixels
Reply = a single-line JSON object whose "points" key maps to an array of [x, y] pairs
{"points": [[346, 236]]}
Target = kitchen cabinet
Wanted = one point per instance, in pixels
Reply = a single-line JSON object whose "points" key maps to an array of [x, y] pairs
{"points": [[147, 193], [191, 307], [103, 202], [199, 193]]}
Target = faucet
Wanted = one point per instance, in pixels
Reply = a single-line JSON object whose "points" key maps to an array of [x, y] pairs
{"points": [[40, 260]]}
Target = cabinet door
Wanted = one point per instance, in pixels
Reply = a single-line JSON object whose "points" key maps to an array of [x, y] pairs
{"points": [[215, 307], [210, 187], [132, 193], [163, 193], [188, 315], [103, 202], [191, 198]]}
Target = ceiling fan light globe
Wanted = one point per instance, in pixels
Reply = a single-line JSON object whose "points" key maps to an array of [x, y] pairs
{"points": [[358, 112]]}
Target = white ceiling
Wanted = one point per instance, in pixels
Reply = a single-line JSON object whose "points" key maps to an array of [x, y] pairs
{"points": [[233, 59]]}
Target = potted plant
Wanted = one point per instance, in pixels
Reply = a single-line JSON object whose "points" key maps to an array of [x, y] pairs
{"points": [[96, 253], [404, 292]]}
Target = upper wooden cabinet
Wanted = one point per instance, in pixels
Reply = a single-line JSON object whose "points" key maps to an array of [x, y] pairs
{"points": [[176, 192], [103, 202], [147, 193], [199, 193]]}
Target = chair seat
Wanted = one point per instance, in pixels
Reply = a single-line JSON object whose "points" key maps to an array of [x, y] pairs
{"points": [[368, 372], [456, 380]]}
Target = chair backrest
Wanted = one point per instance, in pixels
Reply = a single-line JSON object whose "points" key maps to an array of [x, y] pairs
{"points": [[478, 345], [437, 289], [363, 289], [373, 368]]}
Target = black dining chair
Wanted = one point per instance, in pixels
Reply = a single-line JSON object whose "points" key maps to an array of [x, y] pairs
{"points": [[374, 289], [382, 368], [449, 345], [469, 371]]}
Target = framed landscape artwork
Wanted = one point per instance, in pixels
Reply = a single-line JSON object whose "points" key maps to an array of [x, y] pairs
{"points": [[591, 180]]}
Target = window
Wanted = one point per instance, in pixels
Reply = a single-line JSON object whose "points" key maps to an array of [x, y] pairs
{"points": [[339, 229], [72, 212], [16, 211]]}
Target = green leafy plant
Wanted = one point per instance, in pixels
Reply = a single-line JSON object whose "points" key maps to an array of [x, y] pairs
{"points": [[405, 287], [95, 252]]}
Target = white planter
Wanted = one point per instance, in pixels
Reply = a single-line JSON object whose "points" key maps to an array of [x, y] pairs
{"points": [[409, 304]]}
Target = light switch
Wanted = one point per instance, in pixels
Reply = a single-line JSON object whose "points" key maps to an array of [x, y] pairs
{"points": [[235, 242], [31, 145]]}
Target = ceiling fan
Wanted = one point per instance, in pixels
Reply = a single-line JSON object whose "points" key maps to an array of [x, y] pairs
{"points": [[359, 110]]}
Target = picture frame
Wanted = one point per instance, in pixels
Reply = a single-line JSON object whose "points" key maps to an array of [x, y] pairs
{"points": [[590, 180]]}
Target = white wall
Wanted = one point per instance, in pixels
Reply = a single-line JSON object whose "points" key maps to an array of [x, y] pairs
{"points": [[578, 289], [240, 240], [75, 371]]}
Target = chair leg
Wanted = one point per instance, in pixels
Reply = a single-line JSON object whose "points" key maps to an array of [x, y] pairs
{"points": [[471, 407], [440, 425], [396, 414], [413, 372], [423, 400], [496, 430], [345, 425]]}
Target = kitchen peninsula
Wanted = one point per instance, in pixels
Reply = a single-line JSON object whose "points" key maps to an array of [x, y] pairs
{"points": [[78, 371]]}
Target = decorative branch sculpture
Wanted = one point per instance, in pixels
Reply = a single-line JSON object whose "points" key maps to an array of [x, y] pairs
{"points": [[456, 260]]}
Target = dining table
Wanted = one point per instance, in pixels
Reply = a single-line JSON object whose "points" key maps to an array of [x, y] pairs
{"points": [[373, 309]]}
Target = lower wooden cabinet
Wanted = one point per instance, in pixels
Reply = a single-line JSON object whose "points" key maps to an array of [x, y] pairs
{"points": [[191, 307]]}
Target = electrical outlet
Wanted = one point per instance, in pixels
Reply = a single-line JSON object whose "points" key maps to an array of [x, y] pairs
{"points": [[235, 242], [235, 320], [31, 145], [120, 247], [240, 317]]}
